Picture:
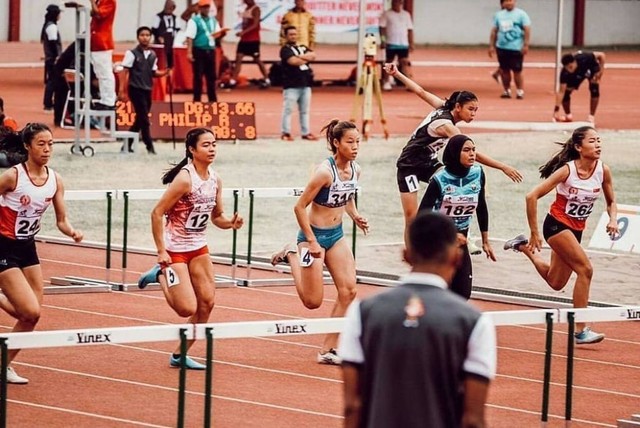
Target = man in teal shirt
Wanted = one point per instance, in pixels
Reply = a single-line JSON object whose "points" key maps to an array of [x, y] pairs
{"points": [[202, 30], [509, 38]]}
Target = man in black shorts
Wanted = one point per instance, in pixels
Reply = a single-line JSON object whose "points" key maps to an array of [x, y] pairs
{"points": [[576, 67]]}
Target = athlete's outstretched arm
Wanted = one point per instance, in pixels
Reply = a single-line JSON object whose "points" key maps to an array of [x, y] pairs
{"points": [[431, 99], [217, 216], [509, 171]]}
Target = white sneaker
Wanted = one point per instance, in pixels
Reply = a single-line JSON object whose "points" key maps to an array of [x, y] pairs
{"points": [[12, 377], [281, 256], [588, 337], [514, 244], [330, 357], [386, 86]]}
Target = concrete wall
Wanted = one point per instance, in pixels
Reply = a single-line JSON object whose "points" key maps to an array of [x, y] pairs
{"points": [[436, 21]]}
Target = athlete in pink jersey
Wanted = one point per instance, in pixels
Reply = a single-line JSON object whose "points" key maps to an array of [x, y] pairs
{"points": [[579, 177], [192, 200], [26, 191]]}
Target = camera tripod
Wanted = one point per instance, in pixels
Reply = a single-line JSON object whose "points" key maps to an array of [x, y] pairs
{"points": [[367, 87]]}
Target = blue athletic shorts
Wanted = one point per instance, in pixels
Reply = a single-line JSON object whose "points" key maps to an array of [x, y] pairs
{"points": [[326, 237]]}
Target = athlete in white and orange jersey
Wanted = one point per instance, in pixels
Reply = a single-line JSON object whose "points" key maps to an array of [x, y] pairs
{"points": [[184, 269], [579, 177], [26, 191]]}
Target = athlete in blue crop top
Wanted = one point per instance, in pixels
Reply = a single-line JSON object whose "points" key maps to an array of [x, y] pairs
{"points": [[457, 191], [330, 193]]}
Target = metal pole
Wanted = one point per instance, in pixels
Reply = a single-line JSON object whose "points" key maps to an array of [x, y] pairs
{"points": [[87, 76], [208, 385], [182, 385], [362, 27], [251, 201], [544, 415], [108, 249], [125, 233], [571, 316], [556, 84], [4, 360], [355, 229], [234, 245]]}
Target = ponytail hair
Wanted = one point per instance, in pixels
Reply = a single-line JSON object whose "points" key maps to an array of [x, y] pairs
{"points": [[567, 153], [190, 141], [336, 130], [458, 97]]}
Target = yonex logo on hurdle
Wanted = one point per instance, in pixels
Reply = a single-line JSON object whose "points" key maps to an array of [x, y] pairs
{"points": [[633, 314], [93, 338], [290, 329]]}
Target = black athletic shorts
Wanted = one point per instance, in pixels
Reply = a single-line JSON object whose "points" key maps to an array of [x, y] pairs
{"points": [[251, 49], [17, 253], [409, 177], [552, 227], [510, 60], [391, 54]]}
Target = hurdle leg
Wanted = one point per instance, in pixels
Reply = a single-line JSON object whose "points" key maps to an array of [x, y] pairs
{"points": [[108, 249], [208, 385], [125, 233], [4, 363], [544, 414], [234, 261], [182, 385], [251, 202], [571, 317]]}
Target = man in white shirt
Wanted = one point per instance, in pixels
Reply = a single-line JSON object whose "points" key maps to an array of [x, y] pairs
{"points": [[418, 355], [396, 34]]}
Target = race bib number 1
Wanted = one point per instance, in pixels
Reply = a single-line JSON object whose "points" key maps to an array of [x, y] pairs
{"points": [[412, 183], [306, 259], [172, 277]]}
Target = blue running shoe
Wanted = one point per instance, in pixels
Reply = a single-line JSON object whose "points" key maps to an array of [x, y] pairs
{"points": [[149, 277], [191, 365], [588, 336]]}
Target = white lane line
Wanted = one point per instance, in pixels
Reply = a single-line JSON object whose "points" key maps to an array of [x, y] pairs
{"points": [[586, 360], [531, 412], [92, 415], [171, 389], [585, 388]]}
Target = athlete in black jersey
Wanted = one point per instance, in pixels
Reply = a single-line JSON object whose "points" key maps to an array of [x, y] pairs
{"points": [[419, 158], [576, 67]]}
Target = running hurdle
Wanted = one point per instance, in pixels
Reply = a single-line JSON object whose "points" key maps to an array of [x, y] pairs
{"points": [[236, 330]]}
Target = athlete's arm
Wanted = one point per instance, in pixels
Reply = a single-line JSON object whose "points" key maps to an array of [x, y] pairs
{"points": [[527, 36], [8, 181], [180, 186], [476, 391], [321, 178], [600, 57], [431, 99], [217, 215], [559, 96], [61, 213], [509, 171], [610, 198], [352, 209], [492, 41], [430, 196], [483, 219], [559, 176], [352, 395]]}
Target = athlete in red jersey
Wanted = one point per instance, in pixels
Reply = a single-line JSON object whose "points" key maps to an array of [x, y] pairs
{"points": [[26, 191], [579, 177], [193, 198]]}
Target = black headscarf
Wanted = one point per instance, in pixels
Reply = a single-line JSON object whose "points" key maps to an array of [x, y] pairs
{"points": [[451, 155]]}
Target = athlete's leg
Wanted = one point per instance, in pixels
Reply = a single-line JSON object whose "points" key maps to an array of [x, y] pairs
{"points": [[594, 91], [181, 295], [556, 273], [23, 291], [569, 250], [308, 280], [518, 79], [342, 267], [409, 202]]}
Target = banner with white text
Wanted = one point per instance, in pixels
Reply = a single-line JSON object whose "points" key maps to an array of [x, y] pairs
{"points": [[332, 16]]}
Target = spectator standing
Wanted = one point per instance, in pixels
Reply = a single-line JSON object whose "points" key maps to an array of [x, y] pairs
{"points": [[103, 13], [396, 37], [576, 67], [304, 22], [296, 82], [7, 121], [249, 44], [140, 67], [164, 28], [509, 39], [202, 29], [433, 351], [52, 46]]}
